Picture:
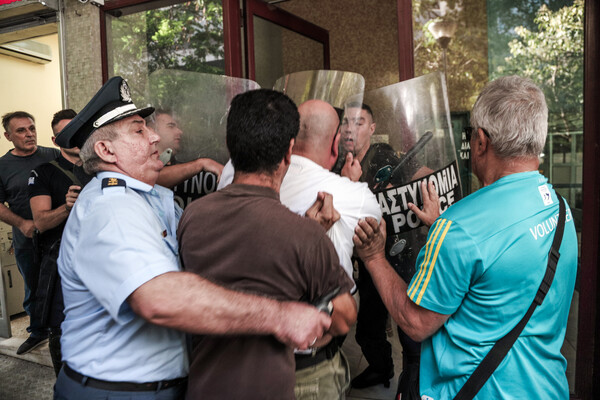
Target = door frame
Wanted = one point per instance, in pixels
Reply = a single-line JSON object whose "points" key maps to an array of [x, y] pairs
{"points": [[284, 19]]}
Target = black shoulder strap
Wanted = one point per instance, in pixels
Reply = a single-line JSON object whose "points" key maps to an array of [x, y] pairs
{"points": [[495, 356], [68, 173]]}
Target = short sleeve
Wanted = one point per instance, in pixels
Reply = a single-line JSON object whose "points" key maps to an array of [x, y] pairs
{"points": [[38, 183], [446, 266], [130, 241]]}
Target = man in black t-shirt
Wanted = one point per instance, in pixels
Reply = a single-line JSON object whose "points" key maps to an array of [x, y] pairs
{"points": [[53, 189], [15, 165]]}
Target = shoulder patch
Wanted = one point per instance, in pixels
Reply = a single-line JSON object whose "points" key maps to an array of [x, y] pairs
{"points": [[113, 182]]}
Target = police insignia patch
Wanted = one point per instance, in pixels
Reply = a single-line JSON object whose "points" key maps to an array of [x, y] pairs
{"points": [[124, 92], [113, 182]]}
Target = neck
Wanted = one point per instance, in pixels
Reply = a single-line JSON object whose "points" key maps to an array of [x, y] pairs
{"points": [[504, 167], [72, 159], [23, 153], [311, 155], [113, 168], [272, 181], [361, 154]]}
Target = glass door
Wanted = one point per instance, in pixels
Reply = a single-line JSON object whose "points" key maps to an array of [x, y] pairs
{"points": [[278, 43]]}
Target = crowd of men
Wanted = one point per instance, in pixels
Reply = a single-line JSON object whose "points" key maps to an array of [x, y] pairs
{"points": [[247, 293]]}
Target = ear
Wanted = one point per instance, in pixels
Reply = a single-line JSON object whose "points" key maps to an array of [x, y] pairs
{"points": [[372, 129], [104, 149], [335, 146], [481, 144], [288, 156], [54, 141], [7, 136]]}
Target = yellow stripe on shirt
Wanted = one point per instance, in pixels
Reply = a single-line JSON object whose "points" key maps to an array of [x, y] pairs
{"points": [[432, 265], [428, 250]]}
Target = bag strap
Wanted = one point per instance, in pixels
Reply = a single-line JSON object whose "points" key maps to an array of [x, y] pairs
{"points": [[68, 173], [495, 356]]}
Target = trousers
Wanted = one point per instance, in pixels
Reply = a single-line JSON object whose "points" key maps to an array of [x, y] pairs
{"points": [[68, 389], [327, 380]]}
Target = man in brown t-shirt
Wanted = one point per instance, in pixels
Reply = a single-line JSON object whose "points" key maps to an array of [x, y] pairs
{"points": [[242, 237]]}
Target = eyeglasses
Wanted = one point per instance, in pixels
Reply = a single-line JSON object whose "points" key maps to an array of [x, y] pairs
{"points": [[469, 130]]}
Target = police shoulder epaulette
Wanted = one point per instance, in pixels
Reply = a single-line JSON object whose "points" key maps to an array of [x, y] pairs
{"points": [[113, 182]]}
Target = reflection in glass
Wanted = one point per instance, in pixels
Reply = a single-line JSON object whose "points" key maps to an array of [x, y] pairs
{"points": [[279, 51], [185, 36]]}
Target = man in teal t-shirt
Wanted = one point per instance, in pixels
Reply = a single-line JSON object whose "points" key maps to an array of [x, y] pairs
{"points": [[485, 258]]}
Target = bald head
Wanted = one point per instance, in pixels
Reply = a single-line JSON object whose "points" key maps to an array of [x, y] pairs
{"points": [[318, 127]]}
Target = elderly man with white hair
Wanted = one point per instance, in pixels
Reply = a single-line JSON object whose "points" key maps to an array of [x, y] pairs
{"points": [[486, 259]]}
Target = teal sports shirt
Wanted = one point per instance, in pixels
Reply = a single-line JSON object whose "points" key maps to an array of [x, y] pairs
{"points": [[483, 263]]}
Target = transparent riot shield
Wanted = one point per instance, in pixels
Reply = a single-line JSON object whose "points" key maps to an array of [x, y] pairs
{"points": [[334, 87], [191, 119], [409, 141]]}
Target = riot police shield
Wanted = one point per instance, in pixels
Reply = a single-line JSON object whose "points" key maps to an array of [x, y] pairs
{"points": [[191, 119], [402, 136], [334, 87]]}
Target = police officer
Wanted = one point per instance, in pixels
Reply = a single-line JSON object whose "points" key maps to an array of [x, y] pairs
{"points": [[123, 291]]}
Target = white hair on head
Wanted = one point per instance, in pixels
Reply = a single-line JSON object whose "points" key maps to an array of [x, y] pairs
{"points": [[91, 161], [513, 111]]}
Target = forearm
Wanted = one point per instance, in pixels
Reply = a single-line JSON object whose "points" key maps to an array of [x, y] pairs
{"points": [[45, 220], [172, 175], [415, 321], [187, 302], [10, 217]]}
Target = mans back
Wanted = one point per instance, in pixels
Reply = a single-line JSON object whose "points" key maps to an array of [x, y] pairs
{"points": [[248, 241], [499, 237], [353, 201]]}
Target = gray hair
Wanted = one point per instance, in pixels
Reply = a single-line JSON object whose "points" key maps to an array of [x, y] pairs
{"points": [[513, 111], [92, 163]]}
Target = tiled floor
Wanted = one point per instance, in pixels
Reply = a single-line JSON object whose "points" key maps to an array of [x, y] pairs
{"points": [[351, 349], [45, 378], [358, 364]]}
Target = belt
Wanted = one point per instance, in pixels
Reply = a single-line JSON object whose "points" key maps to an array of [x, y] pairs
{"points": [[326, 352], [121, 386]]}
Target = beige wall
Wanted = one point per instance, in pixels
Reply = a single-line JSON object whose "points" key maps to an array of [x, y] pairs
{"points": [[363, 35], [31, 87]]}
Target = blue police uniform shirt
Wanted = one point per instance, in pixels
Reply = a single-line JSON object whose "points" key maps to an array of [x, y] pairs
{"points": [[483, 262], [116, 239]]}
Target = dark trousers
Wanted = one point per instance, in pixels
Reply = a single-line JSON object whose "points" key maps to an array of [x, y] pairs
{"points": [[371, 324], [55, 349], [67, 389], [30, 272], [371, 328]]}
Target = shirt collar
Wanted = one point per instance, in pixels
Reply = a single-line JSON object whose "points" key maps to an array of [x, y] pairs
{"points": [[305, 162], [131, 182]]}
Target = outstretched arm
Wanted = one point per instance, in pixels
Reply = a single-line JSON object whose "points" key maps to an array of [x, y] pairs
{"points": [[172, 175], [188, 302], [419, 323]]}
